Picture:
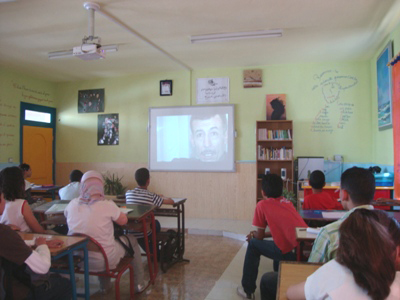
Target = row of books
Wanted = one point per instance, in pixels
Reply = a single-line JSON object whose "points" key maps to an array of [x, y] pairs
{"points": [[274, 154], [266, 134]]}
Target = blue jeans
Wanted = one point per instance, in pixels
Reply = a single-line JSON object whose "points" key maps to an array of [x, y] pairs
{"points": [[255, 249]]}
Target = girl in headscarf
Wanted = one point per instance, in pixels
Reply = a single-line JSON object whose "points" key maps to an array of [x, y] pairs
{"points": [[93, 215]]}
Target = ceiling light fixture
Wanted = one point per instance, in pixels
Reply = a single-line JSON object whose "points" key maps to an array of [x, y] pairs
{"points": [[236, 36]]}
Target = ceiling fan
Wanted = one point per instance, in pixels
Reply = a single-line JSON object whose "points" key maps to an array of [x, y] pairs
{"points": [[90, 49]]}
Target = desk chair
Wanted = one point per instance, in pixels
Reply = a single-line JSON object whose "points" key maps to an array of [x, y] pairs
{"points": [[123, 265]]}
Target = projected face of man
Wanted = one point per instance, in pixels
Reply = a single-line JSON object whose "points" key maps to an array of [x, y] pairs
{"points": [[209, 138]]}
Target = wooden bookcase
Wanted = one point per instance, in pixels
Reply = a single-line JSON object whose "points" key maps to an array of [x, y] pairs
{"points": [[274, 150]]}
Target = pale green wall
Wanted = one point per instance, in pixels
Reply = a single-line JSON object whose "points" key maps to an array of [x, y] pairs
{"points": [[382, 141], [14, 88]]}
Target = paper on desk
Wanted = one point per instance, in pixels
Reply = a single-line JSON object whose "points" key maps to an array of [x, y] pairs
{"points": [[313, 230], [30, 243], [125, 210], [333, 214], [56, 209], [177, 199]]}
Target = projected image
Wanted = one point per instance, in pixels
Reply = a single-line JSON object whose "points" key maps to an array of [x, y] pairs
{"points": [[198, 139]]}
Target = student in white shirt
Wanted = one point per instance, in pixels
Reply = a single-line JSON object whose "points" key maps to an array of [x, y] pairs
{"points": [[366, 262], [71, 191]]}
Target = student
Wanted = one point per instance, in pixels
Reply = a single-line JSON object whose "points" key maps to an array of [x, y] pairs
{"points": [[365, 265], [16, 255], [319, 199], [282, 218], [140, 195], [357, 189], [27, 173], [71, 191], [17, 213], [93, 215]]}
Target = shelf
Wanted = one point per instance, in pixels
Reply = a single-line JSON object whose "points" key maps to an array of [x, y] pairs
{"points": [[274, 141], [275, 160]]}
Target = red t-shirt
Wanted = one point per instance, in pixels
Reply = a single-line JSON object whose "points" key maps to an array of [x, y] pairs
{"points": [[321, 201], [282, 218]]}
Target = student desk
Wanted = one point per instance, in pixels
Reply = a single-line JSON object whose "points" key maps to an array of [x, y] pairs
{"points": [[138, 215], [71, 243], [292, 273], [177, 211], [380, 192], [302, 236], [45, 191], [312, 215]]}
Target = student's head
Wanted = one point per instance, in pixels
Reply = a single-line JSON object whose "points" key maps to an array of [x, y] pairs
{"points": [[142, 175], [272, 185], [209, 136], [317, 179], [358, 184], [12, 184], [26, 169], [92, 187], [367, 246], [75, 176]]}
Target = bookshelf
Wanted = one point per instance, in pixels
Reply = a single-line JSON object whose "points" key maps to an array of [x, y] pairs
{"points": [[274, 150]]}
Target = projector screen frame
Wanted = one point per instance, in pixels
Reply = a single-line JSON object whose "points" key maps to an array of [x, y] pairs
{"points": [[228, 165]]}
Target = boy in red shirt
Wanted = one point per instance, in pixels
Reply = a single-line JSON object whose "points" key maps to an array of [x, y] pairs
{"points": [[282, 218], [320, 199]]}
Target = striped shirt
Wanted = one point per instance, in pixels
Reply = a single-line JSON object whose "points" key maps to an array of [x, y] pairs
{"points": [[327, 241], [144, 197]]}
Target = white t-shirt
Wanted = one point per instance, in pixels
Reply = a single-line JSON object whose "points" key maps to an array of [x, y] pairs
{"points": [[70, 191], [12, 214], [334, 281], [96, 220]]}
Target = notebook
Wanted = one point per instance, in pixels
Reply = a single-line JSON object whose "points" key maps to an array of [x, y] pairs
{"points": [[125, 210], [177, 199], [56, 209]]}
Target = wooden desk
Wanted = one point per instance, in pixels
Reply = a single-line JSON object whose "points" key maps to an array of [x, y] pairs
{"points": [[71, 243], [177, 211], [45, 191], [302, 236], [292, 273], [380, 192]]}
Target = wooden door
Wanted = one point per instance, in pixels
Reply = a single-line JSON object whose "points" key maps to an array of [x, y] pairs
{"points": [[37, 149]]}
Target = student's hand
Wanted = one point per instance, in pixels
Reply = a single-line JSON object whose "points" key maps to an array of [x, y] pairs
{"points": [[14, 227], [54, 243], [250, 235], [40, 241]]}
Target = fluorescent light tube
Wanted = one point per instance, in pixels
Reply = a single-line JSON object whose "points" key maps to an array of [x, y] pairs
{"points": [[235, 36]]}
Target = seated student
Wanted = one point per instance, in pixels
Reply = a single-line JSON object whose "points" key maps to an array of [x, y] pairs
{"points": [[27, 172], [282, 218], [365, 265], [71, 191], [93, 215], [15, 256], [357, 191], [17, 212], [319, 199], [140, 195]]}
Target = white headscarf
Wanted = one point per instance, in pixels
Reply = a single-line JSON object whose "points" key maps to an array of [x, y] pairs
{"points": [[91, 187]]}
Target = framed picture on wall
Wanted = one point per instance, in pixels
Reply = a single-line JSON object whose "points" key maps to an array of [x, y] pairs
{"points": [[165, 87], [108, 129], [91, 101], [276, 107], [384, 87]]}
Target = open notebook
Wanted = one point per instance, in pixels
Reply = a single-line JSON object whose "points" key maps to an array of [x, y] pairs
{"points": [[56, 209], [178, 199]]}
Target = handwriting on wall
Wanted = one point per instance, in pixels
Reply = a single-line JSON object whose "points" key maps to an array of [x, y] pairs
{"points": [[335, 114], [8, 124], [40, 97]]}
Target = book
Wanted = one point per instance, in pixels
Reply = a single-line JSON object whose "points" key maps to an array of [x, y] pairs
{"points": [[125, 210], [56, 209], [313, 230], [178, 199], [333, 214]]}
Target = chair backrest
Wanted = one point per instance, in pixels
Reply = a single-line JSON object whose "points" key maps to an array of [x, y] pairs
{"points": [[95, 246]]}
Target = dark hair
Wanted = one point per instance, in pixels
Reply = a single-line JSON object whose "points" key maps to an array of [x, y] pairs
{"points": [[207, 115], [24, 167], [272, 185], [367, 248], [75, 175], [359, 184], [12, 183], [141, 176], [317, 179]]}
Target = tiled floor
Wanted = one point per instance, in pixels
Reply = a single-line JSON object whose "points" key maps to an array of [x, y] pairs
{"points": [[216, 250]]}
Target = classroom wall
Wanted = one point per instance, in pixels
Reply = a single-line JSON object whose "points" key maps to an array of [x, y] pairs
{"points": [[382, 141]]}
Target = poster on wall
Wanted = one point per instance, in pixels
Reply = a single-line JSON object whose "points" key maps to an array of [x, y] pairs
{"points": [[108, 129], [276, 107], [212, 90], [384, 82], [90, 101]]}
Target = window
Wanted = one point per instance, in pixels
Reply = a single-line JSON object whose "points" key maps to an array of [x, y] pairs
{"points": [[31, 115]]}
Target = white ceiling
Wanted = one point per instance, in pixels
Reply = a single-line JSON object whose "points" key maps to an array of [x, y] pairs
{"points": [[313, 31]]}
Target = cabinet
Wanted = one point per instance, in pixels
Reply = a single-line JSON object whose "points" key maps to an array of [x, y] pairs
{"points": [[274, 150]]}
